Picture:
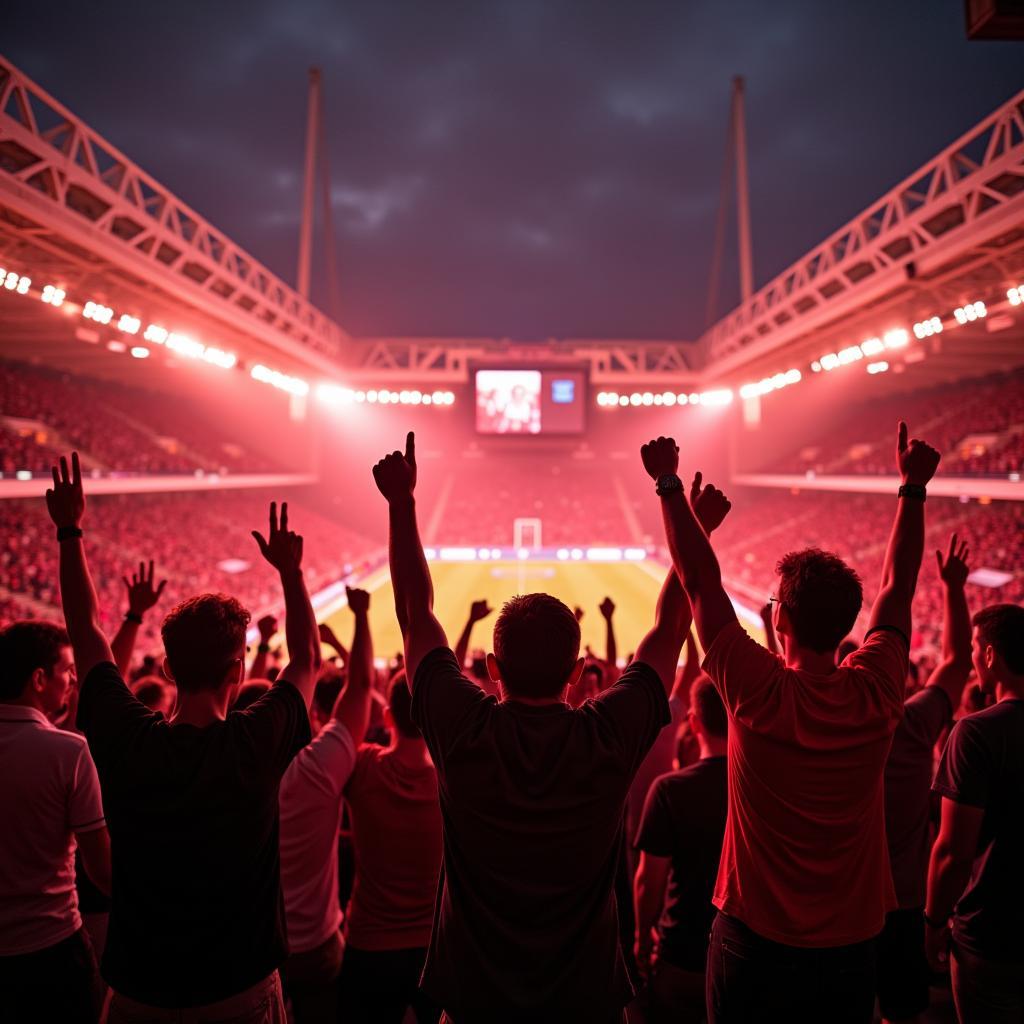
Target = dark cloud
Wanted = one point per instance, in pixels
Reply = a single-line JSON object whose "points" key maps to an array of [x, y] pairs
{"points": [[530, 168]]}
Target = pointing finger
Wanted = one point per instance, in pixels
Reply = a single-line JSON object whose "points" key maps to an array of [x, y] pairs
{"points": [[901, 441], [410, 448]]}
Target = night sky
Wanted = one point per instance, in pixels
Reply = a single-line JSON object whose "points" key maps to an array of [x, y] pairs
{"points": [[521, 169]]}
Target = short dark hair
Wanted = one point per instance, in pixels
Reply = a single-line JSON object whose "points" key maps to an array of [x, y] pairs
{"points": [[536, 644], [707, 706], [325, 693], [822, 596], [594, 668], [202, 637], [150, 690], [250, 692], [1002, 626], [400, 706], [26, 645]]}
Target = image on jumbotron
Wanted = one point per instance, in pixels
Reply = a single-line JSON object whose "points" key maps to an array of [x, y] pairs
{"points": [[512, 511]]}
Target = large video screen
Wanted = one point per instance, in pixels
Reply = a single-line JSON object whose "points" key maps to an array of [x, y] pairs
{"points": [[530, 401]]}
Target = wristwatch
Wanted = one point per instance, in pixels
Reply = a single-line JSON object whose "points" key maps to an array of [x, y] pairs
{"points": [[917, 491], [667, 483]]}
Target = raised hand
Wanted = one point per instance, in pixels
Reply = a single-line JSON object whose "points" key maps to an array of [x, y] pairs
{"points": [[283, 548], [395, 474], [327, 636], [607, 608], [267, 625], [479, 610], [955, 570], [65, 501], [578, 612], [660, 457], [917, 461], [142, 595], [358, 600], [709, 504]]}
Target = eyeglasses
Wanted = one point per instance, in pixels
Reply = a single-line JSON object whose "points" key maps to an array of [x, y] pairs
{"points": [[774, 600]]}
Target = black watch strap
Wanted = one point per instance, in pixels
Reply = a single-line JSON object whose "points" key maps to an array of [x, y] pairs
{"points": [[68, 532], [263, 648], [133, 617], [667, 483], [917, 491]]}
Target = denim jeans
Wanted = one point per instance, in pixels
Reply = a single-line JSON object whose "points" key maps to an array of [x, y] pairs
{"points": [[751, 979]]}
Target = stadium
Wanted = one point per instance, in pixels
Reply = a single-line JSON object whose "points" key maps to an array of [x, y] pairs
{"points": [[197, 385]]}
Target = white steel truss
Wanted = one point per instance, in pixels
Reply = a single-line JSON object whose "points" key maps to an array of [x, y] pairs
{"points": [[58, 176], [970, 194]]}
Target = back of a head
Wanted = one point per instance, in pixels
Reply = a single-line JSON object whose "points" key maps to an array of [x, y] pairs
{"points": [[249, 693], [325, 693], [25, 646], [821, 596], [400, 705], [536, 645], [203, 637], [707, 707], [151, 691], [1001, 626]]}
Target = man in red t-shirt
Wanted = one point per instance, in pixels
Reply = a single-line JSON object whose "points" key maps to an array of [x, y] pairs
{"points": [[396, 833], [804, 882]]}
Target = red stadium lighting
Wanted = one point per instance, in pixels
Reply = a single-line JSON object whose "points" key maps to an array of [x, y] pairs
{"points": [[896, 338], [129, 324], [97, 312], [156, 334], [879, 367], [281, 381], [140, 352], [1016, 295], [53, 295]]}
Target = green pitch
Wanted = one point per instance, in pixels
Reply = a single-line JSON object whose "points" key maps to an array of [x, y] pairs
{"points": [[633, 586]]}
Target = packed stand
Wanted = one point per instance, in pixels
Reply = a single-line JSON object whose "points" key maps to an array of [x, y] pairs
{"points": [[989, 409], [117, 429]]}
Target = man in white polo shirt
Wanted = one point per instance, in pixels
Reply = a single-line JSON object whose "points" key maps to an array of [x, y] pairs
{"points": [[310, 799], [49, 800]]}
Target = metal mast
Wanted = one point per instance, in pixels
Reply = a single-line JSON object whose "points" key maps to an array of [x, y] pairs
{"points": [[306, 228]]}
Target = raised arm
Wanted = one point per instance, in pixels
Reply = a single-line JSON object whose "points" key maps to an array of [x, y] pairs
{"points": [[395, 476], [283, 550], [607, 610], [917, 463], [953, 671], [142, 595], [771, 641], [65, 502], [327, 636], [661, 647], [267, 626], [352, 707], [478, 610], [687, 537]]}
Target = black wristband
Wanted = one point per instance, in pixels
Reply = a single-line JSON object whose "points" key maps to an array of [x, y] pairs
{"points": [[133, 617], [68, 532], [916, 491], [263, 648]]}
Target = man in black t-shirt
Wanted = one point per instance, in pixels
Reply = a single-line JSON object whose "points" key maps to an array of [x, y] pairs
{"points": [[680, 844], [191, 800], [976, 874], [532, 791]]}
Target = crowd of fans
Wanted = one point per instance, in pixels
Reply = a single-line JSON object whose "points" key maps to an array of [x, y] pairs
{"points": [[977, 426], [215, 552], [116, 428], [793, 833]]}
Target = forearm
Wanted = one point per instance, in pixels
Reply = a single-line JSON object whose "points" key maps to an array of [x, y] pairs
{"points": [[258, 668], [300, 627], [906, 548], [648, 895], [611, 647], [661, 647], [947, 878], [123, 645], [410, 575], [462, 647], [956, 627], [692, 553], [77, 593]]}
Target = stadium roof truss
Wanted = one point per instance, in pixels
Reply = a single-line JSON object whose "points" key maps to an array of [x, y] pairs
{"points": [[962, 209], [67, 194]]}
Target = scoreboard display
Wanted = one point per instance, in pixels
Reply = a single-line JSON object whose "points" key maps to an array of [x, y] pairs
{"points": [[524, 402]]}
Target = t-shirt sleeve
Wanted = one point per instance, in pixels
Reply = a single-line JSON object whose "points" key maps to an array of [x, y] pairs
{"points": [[85, 805], [744, 672], [324, 765], [632, 712], [273, 729], [926, 714], [109, 714], [445, 703], [883, 658], [965, 769], [655, 833]]}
